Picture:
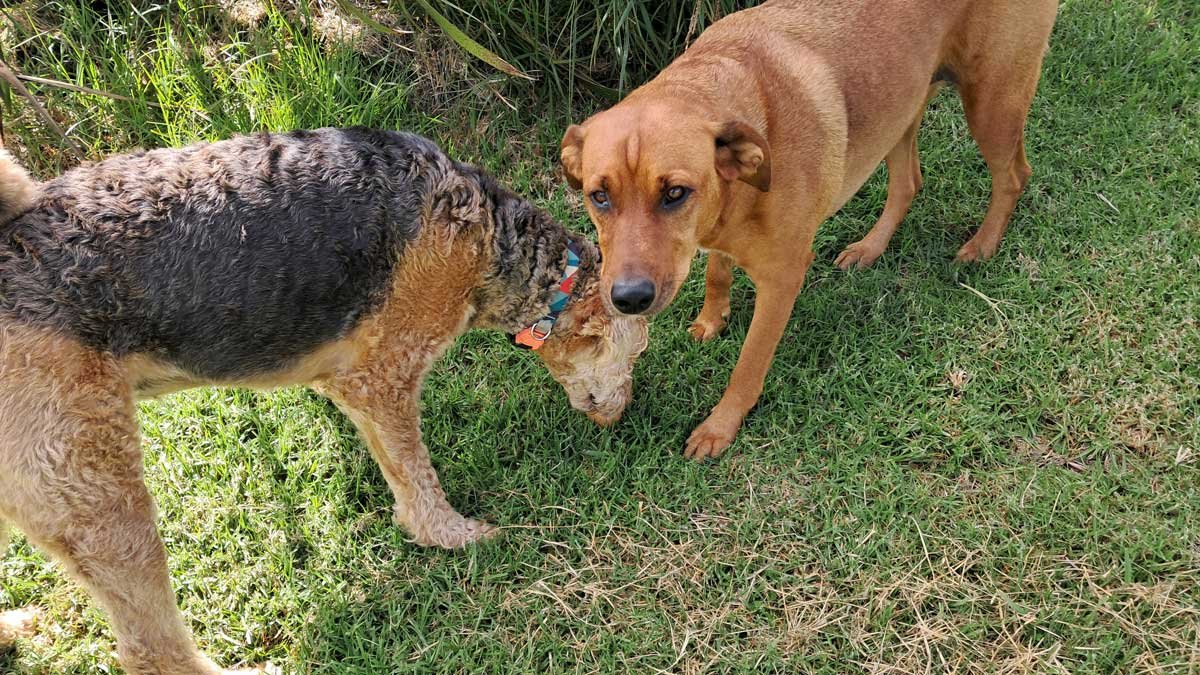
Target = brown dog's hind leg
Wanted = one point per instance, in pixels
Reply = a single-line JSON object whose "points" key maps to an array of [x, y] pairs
{"points": [[71, 479], [110, 544], [904, 181], [996, 116], [999, 72], [713, 315], [385, 406]]}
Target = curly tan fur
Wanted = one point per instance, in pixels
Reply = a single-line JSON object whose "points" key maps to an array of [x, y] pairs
{"points": [[16, 624], [17, 189], [454, 251]]}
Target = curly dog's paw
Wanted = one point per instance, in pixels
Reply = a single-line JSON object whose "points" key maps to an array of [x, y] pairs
{"points": [[18, 623], [451, 531]]}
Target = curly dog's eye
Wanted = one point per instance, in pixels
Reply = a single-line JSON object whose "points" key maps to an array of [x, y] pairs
{"points": [[674, 196], [600, 199]]}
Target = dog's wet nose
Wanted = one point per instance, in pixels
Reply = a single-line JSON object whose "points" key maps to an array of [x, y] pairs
{"points": [[633, 296]]}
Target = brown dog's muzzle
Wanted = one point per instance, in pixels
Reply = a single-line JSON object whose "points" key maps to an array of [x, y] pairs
{"points": [[632, 294], [639, 269]]}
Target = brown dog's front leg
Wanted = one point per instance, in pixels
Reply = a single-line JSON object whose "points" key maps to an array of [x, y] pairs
{"points": [[711, 320], [772, 308]]}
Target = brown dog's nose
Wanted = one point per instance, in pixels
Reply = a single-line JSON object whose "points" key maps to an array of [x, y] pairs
{"points": [[632, 296]]}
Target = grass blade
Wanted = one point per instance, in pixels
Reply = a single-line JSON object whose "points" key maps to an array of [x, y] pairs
{"points": [[362, 16], [10, 76], [472, 47], [83, 90]]}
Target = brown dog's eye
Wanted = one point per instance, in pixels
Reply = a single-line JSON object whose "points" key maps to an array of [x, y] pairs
{"points": [[674, 196], [600, 199]]}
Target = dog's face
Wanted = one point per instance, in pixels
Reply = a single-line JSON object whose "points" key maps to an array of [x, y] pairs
{"points": [[591, 353], [655, 178]]}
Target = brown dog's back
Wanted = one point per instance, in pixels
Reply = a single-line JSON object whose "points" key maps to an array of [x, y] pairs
{"points": [[880, 52]]}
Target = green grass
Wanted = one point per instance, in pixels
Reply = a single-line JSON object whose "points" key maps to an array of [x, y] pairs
{"points": [[602, 46], [987, 468]]}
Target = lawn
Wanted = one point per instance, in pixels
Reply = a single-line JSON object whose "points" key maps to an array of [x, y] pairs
{"points": [[989, 468]]}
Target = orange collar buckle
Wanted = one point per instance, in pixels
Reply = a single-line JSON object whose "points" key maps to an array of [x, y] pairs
{"points": [[535, 336]]}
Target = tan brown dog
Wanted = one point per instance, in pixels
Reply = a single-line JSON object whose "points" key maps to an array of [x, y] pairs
{"points": [[767, 125]]}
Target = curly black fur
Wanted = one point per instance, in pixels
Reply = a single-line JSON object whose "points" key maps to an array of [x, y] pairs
{"points": [[528, 257], [238, 257]]}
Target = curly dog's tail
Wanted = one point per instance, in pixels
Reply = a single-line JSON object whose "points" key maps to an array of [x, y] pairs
{"points": [[17, 188]]}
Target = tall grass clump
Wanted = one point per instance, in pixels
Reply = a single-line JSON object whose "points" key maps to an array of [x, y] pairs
{"points": [[216, 67], [185, 73], [602, 48]]}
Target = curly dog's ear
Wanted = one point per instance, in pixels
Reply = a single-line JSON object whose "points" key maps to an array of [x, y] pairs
{"points": [[571, 156]]}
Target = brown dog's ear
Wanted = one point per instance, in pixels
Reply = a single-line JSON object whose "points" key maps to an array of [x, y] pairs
{"points": [[743, 154], [571, 156]]}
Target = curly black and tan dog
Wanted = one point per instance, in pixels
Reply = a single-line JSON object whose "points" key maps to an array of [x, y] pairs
{"points": [[344, 259]]}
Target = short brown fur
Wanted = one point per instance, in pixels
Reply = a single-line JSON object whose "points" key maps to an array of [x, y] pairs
{"points": [[774, 118]]}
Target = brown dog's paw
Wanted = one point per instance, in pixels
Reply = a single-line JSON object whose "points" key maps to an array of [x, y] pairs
{"points": [[704, 329], [710, 439], [976, 250], [862, 253]]}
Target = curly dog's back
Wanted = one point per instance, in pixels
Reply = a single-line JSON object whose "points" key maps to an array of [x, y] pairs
{"points": [[225, 258]]}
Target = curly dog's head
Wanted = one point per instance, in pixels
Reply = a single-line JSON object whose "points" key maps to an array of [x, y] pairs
{"points": [[591, 354]]}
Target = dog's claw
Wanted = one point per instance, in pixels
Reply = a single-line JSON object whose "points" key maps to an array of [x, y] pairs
{"points": [[711, 320], [975, 251], [709, 440], [862, 253], [703, 330]]}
